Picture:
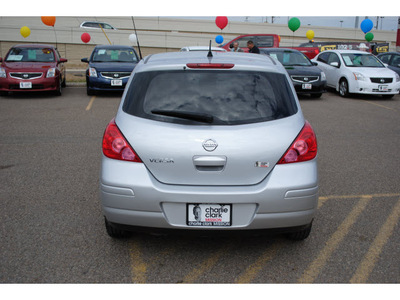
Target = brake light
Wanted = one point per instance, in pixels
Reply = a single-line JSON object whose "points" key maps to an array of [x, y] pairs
{"points": [[209, 66], [303, 148], [116, 146]]}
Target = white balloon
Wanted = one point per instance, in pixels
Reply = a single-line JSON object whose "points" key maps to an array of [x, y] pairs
{"points": [[133, 38]]}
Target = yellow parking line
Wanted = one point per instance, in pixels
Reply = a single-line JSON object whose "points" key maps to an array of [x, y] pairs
{"points": [[90, 103], [380, 105], [252, 271], [206, 265], [311, 273], [365, 268], [139, 267]]}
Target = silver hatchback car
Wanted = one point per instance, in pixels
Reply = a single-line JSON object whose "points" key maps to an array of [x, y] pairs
{"points": [[213, 142]]}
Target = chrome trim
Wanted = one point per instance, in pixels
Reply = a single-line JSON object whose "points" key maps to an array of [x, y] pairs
{"points": [[111, 76], [296, 80], [21, 77]]}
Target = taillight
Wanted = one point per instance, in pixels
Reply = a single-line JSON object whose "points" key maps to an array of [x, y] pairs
{"points": [[116, 146], [303, 148]]}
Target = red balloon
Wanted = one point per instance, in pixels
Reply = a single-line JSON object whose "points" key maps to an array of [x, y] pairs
{"points": [[49, 21], [85, 37], [221, 22]]}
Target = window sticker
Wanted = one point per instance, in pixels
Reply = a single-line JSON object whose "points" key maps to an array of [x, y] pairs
{"points": [[348, 61], [31, 54], [274, 55], [114, 55], [101, 51], [15, 57]]}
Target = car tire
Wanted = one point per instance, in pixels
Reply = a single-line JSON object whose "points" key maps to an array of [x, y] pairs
{"points": [[343, 88], [64, 83], [301, 234], [58, 92], [115, 232], [89, 91]]}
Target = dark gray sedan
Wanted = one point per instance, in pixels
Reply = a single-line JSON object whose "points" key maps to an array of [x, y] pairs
{"points": [[392, 59]]}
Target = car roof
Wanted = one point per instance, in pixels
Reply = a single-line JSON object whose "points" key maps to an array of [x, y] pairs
{"points": [[178, 60], [203, 48], [113, 47], [346, 51], [279, 50], [34, 46]]}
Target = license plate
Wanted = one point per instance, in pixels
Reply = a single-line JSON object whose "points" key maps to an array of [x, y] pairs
{"points": [[307, 86], [209, 214], [383, 88], [116, 82], [25, 85]]}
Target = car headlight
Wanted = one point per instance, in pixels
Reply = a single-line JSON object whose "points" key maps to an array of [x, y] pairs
{"points": [[92, 72], [3, 73], [397, 77], [51, 72], [359, 76], [323, 76]]}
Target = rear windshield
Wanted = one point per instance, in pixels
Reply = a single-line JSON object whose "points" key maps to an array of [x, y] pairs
{"points": [[221, 97]]}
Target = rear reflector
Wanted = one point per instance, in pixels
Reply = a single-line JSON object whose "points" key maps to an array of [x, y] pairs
{"points": [[303, 148], [209, 66], [116, 146]]}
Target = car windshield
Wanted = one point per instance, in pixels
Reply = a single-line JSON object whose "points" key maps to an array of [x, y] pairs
{"points": [[114, 55], [361, 60], [289, 58], [30, 55], [213, 97]]}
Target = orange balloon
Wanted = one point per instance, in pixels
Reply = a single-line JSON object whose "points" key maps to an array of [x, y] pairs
{"points": [[49, 21]]}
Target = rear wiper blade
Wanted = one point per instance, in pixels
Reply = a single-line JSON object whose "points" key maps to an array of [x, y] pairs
{"points": [[199, 117]]}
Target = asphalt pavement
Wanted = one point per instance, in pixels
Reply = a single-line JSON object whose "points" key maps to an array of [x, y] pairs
{"points": [[52, 229]]}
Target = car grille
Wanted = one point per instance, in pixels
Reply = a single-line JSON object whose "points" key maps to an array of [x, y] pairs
{"points": [[21, 75], [305, 79], [115, 75], [381, 80]]}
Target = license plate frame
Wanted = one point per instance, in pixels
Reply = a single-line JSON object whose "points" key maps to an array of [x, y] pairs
{"points": [[25, 85], [383, 88], [208, 215], [116, 82], [306, 86]]}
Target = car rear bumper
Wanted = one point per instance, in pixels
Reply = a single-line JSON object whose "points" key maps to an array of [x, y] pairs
{"points": [[131, 196]]}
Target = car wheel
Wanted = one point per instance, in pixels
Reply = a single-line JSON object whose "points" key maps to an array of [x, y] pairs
{"points": [[115, 232], [64, 82], [301, 234], [343, 88], [387, 96], [58, 91]]}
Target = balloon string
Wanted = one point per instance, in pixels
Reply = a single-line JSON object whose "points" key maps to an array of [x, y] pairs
{"points": [[55, 34]]}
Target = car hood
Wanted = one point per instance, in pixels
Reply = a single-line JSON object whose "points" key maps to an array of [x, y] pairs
{"points": [[302, 70], [374, 72], [113, 66], [28, 66]]}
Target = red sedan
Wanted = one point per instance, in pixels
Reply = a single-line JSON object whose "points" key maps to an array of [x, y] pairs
{"points": [[32, 67]]}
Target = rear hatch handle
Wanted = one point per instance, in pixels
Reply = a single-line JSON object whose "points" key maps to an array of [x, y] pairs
{"points": [[210, 163]]}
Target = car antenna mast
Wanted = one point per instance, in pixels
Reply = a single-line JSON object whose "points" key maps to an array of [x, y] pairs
{"points": [[209, 51], [137, 38]]}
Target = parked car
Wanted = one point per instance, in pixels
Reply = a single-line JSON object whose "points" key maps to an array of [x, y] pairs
{"points": [[307, 78], [32, 67], [392, 59], [109, 68], [96, 25], [201, 48], [209, 143], [352, 71]]}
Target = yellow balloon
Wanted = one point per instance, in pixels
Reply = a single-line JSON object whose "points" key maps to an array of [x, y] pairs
{"points": [[310, 34], [25, 31]]}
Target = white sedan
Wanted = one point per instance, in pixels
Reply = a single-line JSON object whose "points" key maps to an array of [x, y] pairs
{"points": [[360, 72]]}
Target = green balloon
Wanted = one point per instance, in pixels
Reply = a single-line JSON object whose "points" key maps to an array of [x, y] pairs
{"points": [[369, 36], [294, 24]]}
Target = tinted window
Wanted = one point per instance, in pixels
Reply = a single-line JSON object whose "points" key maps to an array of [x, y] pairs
{"points": [[114, 55], [288, 58], [243, 41], [264, 41], [31, 55], [230, 97], [385, 58], [323, 57]]}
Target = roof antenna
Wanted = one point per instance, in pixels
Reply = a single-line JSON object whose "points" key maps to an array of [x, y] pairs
{"points": [[137, 38], [209, 51]]}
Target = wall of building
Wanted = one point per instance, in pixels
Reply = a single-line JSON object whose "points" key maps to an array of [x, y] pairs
{"points": [[160, 34]]}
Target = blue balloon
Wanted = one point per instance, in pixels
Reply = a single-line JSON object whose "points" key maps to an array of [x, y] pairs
{"points": [[219, 39], [366, 25]]}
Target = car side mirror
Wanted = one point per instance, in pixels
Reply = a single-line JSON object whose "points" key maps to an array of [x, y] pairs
{"points": [[85, 60], [335, 64], [314, 63], [230, 46], [63, 60]]}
